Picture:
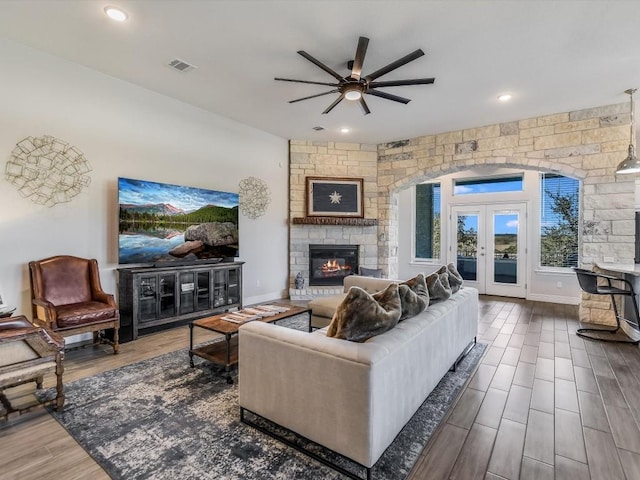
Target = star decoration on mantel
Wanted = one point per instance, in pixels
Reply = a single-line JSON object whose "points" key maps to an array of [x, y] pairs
{"points": [[335, 197]]}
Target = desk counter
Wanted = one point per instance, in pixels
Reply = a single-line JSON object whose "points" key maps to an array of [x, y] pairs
{"points": [[625, 268]]}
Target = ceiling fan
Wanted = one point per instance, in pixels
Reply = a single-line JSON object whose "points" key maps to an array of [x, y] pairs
{"points": [[354, 86]]}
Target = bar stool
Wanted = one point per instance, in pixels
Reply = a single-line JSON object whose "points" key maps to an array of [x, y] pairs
{"points": [[589, 283]]}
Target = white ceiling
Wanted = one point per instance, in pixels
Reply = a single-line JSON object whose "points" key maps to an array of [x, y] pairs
{"points": [[552, 56]]}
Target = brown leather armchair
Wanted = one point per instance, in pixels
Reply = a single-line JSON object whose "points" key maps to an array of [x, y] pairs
{"points": [[67, 298]]}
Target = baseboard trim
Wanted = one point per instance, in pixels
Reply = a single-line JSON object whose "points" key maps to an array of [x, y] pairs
{"points": [[267, 297], [537, 297]]}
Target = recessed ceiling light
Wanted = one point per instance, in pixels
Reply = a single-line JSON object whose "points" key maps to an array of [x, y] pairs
{"points": [[345, 130], [505, 97], [115, 13]]}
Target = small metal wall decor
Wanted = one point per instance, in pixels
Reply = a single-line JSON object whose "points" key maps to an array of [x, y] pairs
{"points": [[47, 170], [255, 196]]}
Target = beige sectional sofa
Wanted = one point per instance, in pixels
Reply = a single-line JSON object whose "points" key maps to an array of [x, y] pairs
{"points": [[353, 398]]}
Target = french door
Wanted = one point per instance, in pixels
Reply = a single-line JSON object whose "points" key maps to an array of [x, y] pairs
{"points": [[488, 247]]}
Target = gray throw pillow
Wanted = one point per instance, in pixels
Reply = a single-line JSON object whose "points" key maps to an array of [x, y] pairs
{"points": [[438, 285], [455, 278], [371, 272], [361, 315], [414, 296]]}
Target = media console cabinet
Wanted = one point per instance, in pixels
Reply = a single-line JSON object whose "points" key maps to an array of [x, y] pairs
{"points": [[151, 297]]}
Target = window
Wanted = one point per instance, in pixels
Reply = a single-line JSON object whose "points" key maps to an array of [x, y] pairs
{"points": [[488, 185], [559, 208], [427, 241]]}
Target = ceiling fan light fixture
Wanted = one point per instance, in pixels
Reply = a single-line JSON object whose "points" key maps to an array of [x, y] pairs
{"points": [[353, 94], [631, 164]]}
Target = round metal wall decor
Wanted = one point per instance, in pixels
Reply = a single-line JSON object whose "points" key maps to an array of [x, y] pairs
{"points": [[47, 170], [254, 197]]}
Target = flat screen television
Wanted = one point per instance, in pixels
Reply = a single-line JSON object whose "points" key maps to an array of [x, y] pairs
{"points": [[160, 222]]}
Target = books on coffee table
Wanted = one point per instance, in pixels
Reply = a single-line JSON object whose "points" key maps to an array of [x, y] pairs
{"points": [[272, 308], [259, 312], [253, 313], [239, 317]]}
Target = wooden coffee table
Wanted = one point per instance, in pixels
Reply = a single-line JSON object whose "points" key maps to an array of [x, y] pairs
{"points": [[226, 353]]}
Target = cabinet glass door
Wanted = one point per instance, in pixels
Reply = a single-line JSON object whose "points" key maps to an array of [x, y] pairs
{"points": [[167, 296], [234, 286], [147, 299], [203, 281], [219, 288], [187, 291]]}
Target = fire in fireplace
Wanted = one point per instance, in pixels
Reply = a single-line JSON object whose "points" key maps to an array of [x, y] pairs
{"points": [[329, 264]]}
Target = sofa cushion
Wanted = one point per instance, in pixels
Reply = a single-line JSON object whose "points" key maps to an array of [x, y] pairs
{"points": [[368, 284], [84, 312], [370, 272], [414, 296], [455, 278], [361, 315], [438, 285]]}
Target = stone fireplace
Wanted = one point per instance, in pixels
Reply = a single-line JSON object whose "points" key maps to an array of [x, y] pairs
{"points": [[329, 264]]}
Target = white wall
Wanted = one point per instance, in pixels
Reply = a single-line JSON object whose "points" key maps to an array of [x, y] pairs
{"points": [[542, 283], [126, 131]]}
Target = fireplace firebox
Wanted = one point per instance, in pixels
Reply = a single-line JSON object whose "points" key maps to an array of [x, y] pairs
{"points": [[329, 264]]}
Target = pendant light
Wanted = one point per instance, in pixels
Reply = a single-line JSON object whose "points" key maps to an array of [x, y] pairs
{"points": [[631, 164]]}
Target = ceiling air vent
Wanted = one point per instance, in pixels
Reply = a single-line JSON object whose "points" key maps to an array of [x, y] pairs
{"points": [[181, 65], [318, 128]]}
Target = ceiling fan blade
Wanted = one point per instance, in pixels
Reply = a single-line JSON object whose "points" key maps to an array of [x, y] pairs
{"points": [[336, 102], [400, 83], [358, 61], [314, 96], [365, 108], [306, 81], [388, 96], [318, 63], [393, 65]]}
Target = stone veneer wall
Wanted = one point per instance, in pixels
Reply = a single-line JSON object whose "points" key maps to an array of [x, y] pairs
{"points": [[330, 159], [585, 144]]}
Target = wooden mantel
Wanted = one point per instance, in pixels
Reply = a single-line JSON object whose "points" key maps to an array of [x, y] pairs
{"points": [[349, 221]]}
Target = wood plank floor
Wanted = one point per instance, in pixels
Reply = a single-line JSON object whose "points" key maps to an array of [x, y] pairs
{"points": [[542, 404]]}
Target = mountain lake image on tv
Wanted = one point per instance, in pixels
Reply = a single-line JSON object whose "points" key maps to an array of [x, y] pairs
{"points": [[160, 222]]}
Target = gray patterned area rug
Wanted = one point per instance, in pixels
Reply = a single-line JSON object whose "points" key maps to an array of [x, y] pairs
{"points": [[160, 419]]}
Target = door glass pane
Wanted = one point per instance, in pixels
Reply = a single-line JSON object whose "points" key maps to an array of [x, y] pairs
{"points": [[467, 246], [505, 253], [187, 289], [219, 290], [234, 286], [202, 290], [147, 299], [167, 296]]}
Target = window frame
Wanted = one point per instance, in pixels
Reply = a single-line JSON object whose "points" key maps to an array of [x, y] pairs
{"points": [[414, 210], [487, 180], [548, 268]]}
